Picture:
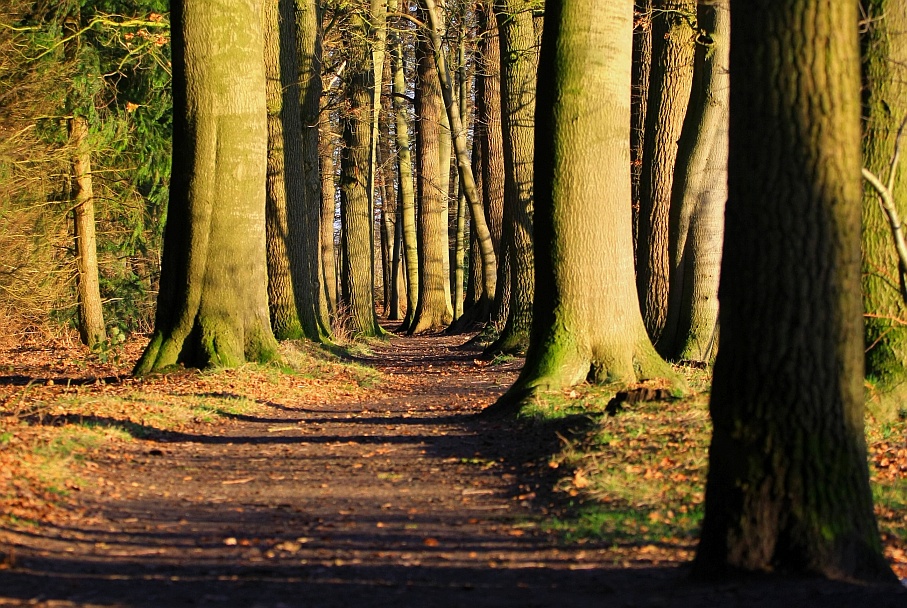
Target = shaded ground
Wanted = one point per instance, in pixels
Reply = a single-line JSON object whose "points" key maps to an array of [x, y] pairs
{"points": [[402, 499]]}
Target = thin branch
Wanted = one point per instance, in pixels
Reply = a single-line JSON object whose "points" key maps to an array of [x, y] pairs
{"points": [[894, 222]]}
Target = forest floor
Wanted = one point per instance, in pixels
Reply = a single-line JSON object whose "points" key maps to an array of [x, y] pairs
{"points": [[280, 487]]}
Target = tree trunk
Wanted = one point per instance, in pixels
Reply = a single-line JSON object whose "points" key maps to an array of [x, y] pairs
{"points": [[458, 133], [586, 322], [519, 38], [698, 197], [313, 302], [885, 109], [433, 310], [405, 187], [284, 190], [788, 486], [673, 44], [642, 66], [91, 314], [328, 213], [356, 211], [213, 305]]}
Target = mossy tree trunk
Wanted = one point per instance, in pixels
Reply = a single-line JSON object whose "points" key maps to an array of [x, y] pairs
{"points": [[788, 486], [884, 44], [586, 322], [698, 197], [671, 76], [213, 306], [91, 313], [519, 31]]}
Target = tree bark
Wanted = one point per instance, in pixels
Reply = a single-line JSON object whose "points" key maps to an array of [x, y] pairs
{"points": [[284, 203], [788, 485], [671, 77], [519, 38], [586, 322], [433, 311], [91, 313], [213, 306], [642, 66], [698, 197], [884, 44]]}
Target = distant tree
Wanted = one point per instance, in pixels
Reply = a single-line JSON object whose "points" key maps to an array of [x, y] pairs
{"points": [[212, 307], [788, 485], [586, 320]]}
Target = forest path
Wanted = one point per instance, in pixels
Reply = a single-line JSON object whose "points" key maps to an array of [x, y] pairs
{"points": [[400, 499]]}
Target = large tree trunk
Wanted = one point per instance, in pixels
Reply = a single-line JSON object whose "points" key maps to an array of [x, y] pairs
{"points": [[213, 306], [885, 109], [91, 314], [433, 311], [788, 486], [328, 213], [284, 190], [673, 44], [698, 197], [642, 66], [586, 322], [519, 38], [356, 211]]}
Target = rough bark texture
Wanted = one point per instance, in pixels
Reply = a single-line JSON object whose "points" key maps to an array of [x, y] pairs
{"points": [[356, 211], [885, 109], [788, 486], [284, 190], [213, 307], [91, 314], [433, 311], [313, 302], [328, 213], [669, 91], [586, 322], [519, 37], [698, 197]]}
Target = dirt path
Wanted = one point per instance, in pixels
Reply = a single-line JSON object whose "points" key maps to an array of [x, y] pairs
{"points": [[398, 500]]}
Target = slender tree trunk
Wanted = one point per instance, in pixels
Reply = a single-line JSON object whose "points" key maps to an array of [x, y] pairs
{"points": [[313, 301], [433, 309], [586, 322], [788, 486], [519, 38], [458, 132], [642, 66], [699, 194], [213, 305], [91, 314], [284, 190], [406, 189], [328, 212], [673, 44], [885, 109]]}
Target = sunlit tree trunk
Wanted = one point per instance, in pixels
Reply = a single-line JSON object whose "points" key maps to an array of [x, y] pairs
{"points": [[284, 191], [519, 38], [328, 213], [91, 314], [885, 110], [642, 65], [788, 485], [698, 197], [586, 322], [671, 76], [213, 305], [314, 303], [433, 311]]}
